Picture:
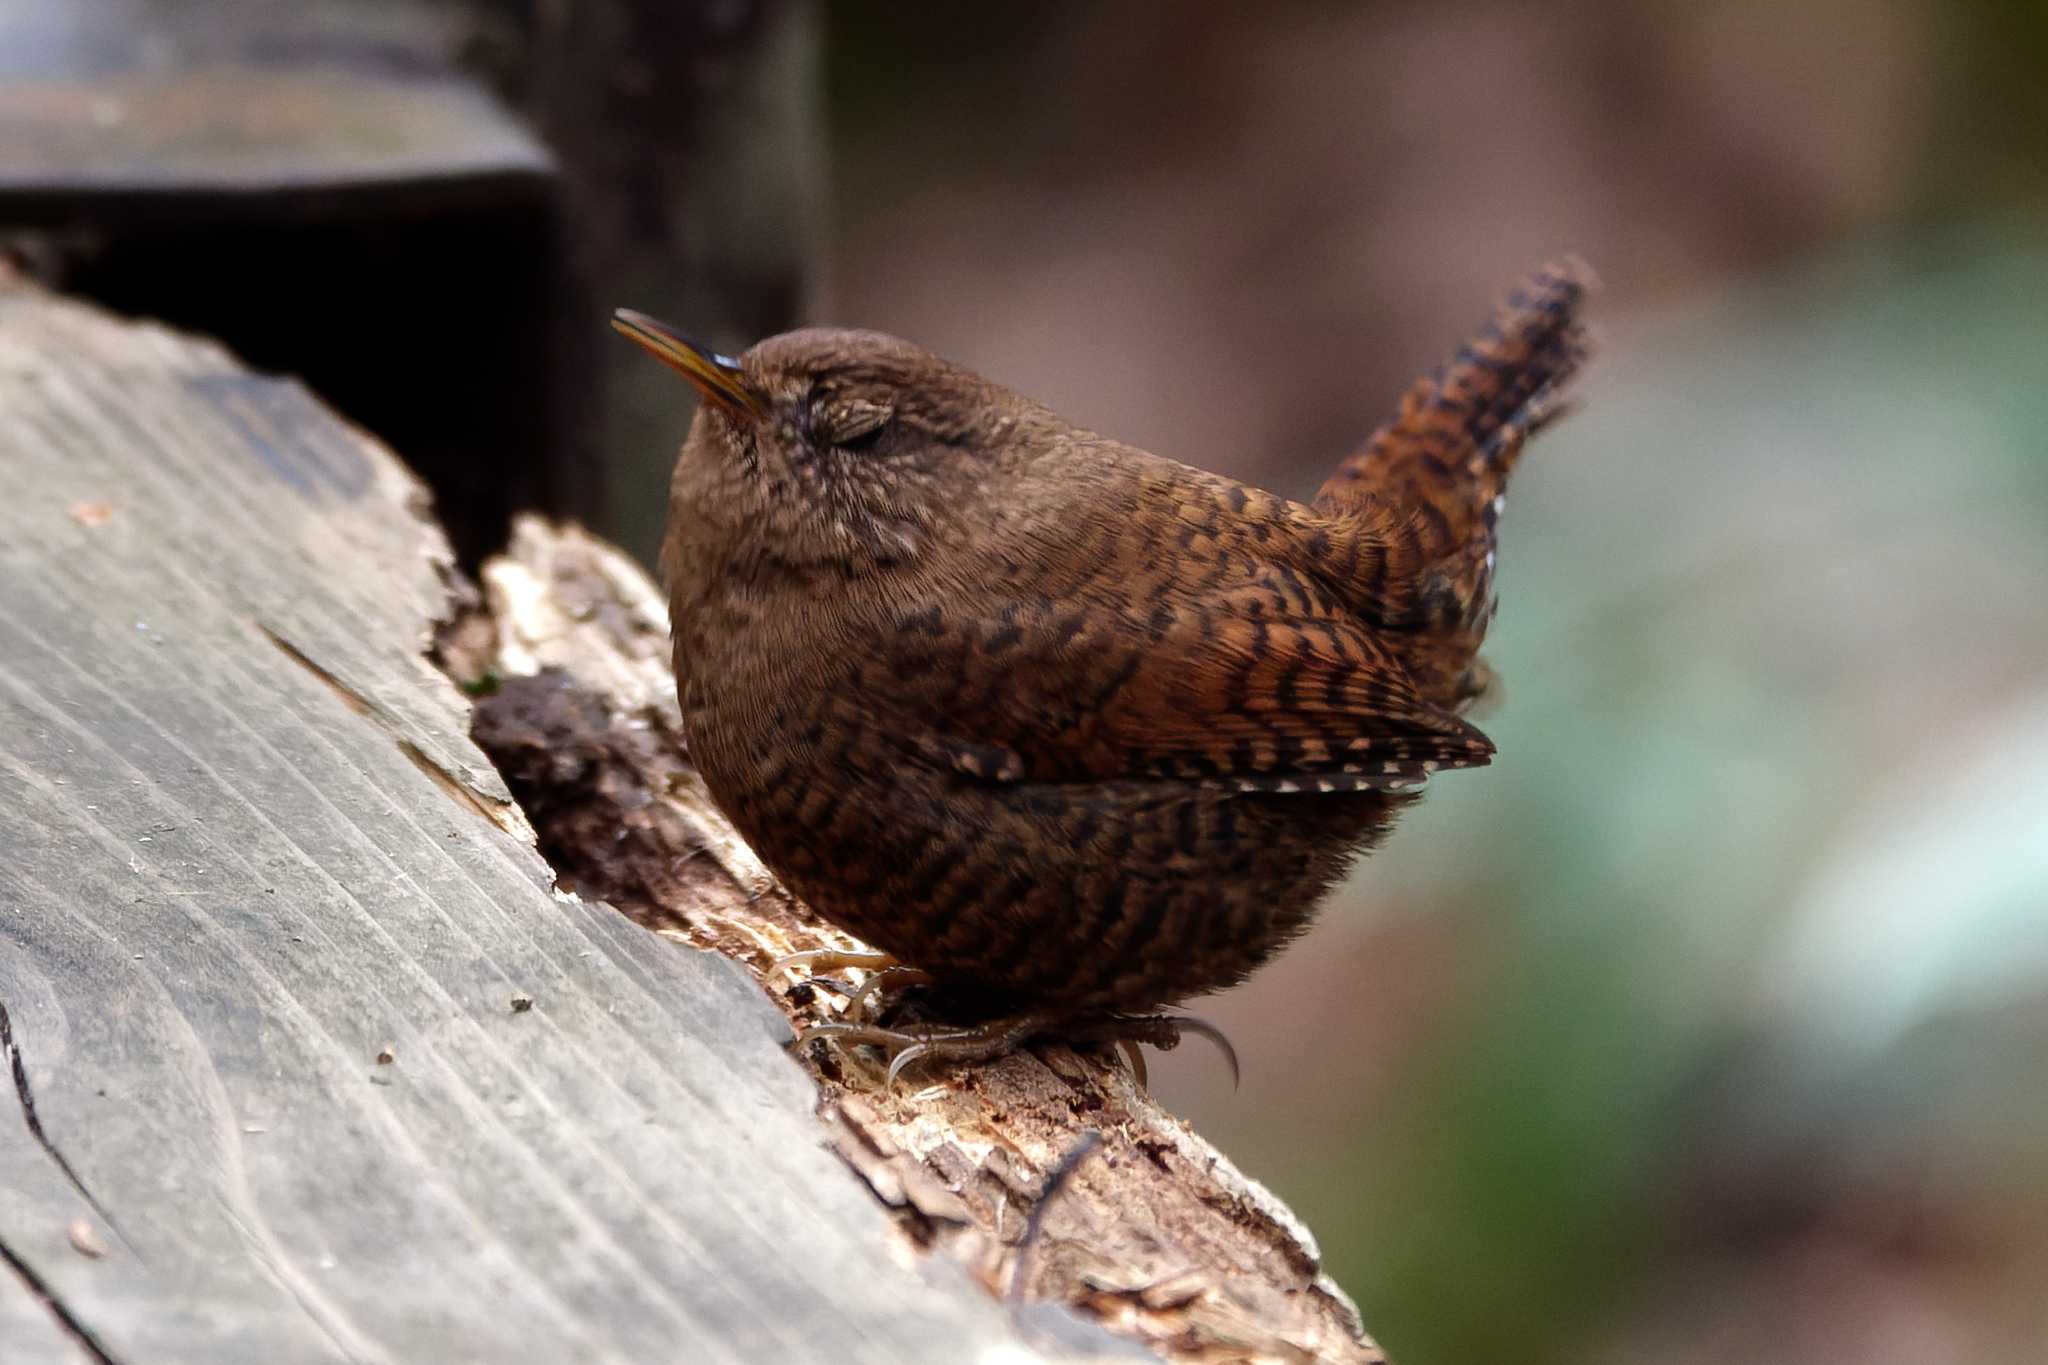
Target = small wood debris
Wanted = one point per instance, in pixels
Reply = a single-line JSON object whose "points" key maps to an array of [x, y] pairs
{"points": [[1176, 1291], [85, 1239]]}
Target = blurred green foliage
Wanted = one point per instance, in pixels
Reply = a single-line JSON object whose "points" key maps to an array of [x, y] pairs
{"points": [[1789, 558]]}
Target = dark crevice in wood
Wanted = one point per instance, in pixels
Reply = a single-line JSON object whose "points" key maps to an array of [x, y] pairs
{"points": [[66, 1319], [455, 787], [1055, 1181], [593, 782], [26, 1097], [352, 699], [457, 790]]}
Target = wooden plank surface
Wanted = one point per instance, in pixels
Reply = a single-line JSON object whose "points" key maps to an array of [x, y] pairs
{"points": [[266, 918]]}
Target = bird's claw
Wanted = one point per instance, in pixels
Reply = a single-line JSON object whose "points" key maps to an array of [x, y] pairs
{"points": [[817, 960], [1162, 1031], [888, 978]]}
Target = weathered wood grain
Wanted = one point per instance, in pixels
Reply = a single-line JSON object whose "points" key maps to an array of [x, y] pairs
{"points": [[265, 914]]}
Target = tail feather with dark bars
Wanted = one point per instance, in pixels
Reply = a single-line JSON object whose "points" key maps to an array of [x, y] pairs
{"points": [[1444, 462]]}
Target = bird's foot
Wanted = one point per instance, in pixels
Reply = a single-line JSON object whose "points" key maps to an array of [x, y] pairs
{"points": [[998, 1036], [905, 1046]]}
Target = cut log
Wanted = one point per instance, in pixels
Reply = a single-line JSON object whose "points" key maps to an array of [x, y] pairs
{"points": [[329, 1063]]}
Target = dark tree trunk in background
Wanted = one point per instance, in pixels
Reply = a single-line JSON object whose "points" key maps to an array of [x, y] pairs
{"points": [[688, 146]]}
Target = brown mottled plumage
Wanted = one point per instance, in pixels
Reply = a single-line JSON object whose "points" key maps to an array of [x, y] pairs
{"points": [[1076, 730]]}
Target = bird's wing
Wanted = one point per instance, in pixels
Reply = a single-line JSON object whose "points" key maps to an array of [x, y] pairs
{"points": [[1262, 684]]}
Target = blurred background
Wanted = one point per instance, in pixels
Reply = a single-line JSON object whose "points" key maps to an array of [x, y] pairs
{"points": [[1711, 1021]]}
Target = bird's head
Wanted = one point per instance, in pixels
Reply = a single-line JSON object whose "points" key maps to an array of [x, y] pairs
{"points": [[828, 446]]}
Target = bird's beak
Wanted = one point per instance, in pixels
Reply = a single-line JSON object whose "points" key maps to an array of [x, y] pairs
{"points": [[719, 378]]}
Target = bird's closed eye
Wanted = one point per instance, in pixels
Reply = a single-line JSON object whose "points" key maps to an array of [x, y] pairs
{"points": [[849, 421]]}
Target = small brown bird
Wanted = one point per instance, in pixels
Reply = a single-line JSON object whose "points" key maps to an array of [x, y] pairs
{"points": [[1070, 731]]}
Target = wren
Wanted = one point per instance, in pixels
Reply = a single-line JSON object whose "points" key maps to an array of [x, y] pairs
{"points": [[1071, 731]]}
